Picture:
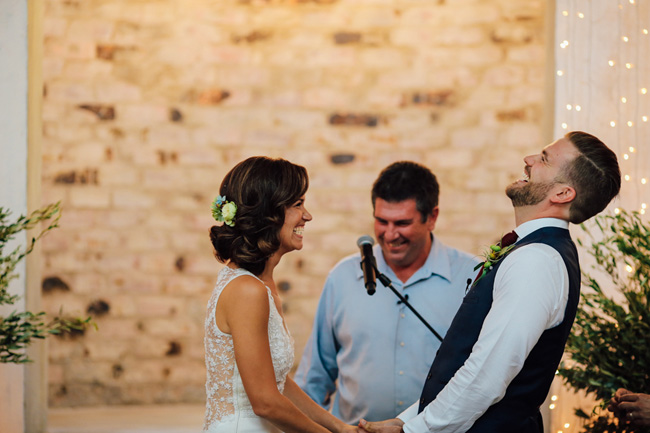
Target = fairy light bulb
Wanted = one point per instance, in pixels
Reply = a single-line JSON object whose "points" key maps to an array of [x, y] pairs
{"points": [[554, 398], [644, 206], [632, 149], [628, 268], [617, 211], [567, 425], [578, 108], [565, 126], [625, 39], [644, 181], [626, 157], [564, 44], [560, 73], [551, 406], [611, 63], [568, 106], [644, 118], [612, 124], [645, 31], [629, 65], [644, 91], [627, 177], [565, 13], [624, 100], [581, 15], [630, 123]]}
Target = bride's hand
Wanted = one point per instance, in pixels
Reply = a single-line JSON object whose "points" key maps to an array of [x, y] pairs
{"points": [[389, 426]]}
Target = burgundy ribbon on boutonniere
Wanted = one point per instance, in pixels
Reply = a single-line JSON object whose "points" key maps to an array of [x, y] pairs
{"points": [[494, 254]]}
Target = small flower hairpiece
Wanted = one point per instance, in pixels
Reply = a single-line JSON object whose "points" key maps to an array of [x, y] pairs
{"points": [[224, 211]]}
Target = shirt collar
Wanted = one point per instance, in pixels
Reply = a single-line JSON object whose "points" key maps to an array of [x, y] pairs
{"points": [[437, 263], [528, 227]]}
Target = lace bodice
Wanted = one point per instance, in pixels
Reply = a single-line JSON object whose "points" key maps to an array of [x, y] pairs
{"points": [[226, 397]]}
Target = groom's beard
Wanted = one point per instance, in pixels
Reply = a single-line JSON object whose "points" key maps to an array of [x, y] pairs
{"points": [[529, 194]]}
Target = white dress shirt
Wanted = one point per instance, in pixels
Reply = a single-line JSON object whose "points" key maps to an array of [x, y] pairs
{"points": [[531, 289]]}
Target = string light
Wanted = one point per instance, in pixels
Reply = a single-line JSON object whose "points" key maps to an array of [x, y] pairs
{"points": [[632, 149], [623, 99], [625, 39], [630, 123], [628, 268], [568, 106], [612, 124], [560, 73], [645, 31], [629, 65], [611, 63], [551, 406], [627, 177], [644, 181], [645, 118], [565, 13], [578, 108], [626, 157], [581, 15], [644, 91], [564, 44], [565, 126]]}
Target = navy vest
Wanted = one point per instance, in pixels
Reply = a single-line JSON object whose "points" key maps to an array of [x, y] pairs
{"points": [[518, 411]]}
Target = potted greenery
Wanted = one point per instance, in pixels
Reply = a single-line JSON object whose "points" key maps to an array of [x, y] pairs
{"points": [[609, 345], [19, 329]]}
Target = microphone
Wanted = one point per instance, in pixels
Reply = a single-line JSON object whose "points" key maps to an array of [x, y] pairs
{"points": [[368, 263]]}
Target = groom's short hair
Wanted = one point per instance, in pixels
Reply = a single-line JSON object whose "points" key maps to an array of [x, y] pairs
{"points": [[405, 180], [594, 174]]}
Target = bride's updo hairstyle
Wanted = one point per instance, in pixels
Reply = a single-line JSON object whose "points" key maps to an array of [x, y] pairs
{"points": [[262, 188]]}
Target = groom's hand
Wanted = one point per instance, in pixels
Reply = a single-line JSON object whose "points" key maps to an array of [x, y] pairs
{"points": [[389, 426]]}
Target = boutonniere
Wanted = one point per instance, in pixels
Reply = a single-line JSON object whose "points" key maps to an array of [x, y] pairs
{"points": [[492, 256]]}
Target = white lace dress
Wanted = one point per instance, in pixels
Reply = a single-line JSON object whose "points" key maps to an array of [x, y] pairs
{"points": [[228, 408]]}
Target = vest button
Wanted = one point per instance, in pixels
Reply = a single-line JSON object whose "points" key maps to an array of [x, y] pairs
{"points": [[422, 400]]}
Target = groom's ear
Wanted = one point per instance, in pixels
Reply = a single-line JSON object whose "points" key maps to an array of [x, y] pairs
{"points": [[563, 194]]}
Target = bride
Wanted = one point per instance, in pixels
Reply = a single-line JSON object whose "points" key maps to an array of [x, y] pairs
{"points": [[249, 351]]}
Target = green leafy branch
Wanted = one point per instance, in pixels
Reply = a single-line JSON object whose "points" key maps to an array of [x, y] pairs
{"points": [[19, 329], [608, 345]]}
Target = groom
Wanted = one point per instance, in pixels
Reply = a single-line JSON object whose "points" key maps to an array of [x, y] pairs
{"points": [[497, 361]]}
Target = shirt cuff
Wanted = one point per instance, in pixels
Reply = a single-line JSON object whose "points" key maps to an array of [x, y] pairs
{"points": [[416, 425], [409, 413]]}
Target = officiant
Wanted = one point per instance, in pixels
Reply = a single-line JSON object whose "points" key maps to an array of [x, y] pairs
{"points": [[370, 351]]}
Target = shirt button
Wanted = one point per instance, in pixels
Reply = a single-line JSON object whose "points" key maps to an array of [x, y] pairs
{"points": [[401, 373], [402, 315], [402, 344], [400, 403]]}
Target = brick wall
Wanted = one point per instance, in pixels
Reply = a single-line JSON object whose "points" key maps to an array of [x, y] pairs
{"points": [[148, 103]]}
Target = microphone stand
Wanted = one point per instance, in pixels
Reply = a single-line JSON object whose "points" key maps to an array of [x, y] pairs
{"points": [[388, 283]]}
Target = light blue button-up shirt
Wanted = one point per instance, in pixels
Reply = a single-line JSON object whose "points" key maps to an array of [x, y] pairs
{"points": [[374, 349]]}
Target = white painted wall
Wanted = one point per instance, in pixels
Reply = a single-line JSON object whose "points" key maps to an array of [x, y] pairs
{"points": [[13, 177]]}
